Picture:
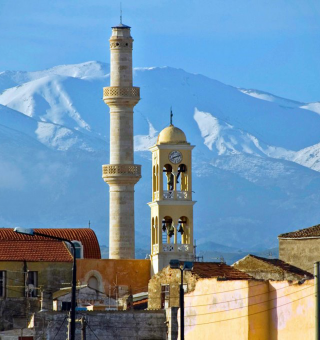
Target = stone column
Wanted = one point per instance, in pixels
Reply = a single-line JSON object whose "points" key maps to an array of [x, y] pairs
{"points": [[121, 174]]}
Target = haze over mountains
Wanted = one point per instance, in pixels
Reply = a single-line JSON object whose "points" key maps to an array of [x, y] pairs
{"points": [[256, 161]]}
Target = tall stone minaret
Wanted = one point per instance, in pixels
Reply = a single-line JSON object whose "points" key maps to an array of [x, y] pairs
{"points": [[121, 174]]}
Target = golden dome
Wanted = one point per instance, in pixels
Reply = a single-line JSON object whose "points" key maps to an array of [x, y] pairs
{"points": [[171, 135]]}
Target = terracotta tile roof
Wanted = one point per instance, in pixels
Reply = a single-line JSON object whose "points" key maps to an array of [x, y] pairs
{"points": [[34, 251], [284, 266], [303, 233], [218, 270], [47, 248]]}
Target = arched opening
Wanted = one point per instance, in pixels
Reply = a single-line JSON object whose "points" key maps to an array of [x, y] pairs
{"points": [[183, 231], [79, 249], [156, 240], [182, 177], [167, 177], [154, 179], [167, 230], [152, 231], [156, 175], [93, 283]]}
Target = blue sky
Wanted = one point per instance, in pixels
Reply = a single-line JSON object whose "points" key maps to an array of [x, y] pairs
{"points": [[271, 45]]}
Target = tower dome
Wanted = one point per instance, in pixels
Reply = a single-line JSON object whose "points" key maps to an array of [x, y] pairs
{"points": [[172, 135]]}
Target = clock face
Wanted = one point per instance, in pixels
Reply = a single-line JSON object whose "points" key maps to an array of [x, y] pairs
{"points": [[175, 157]]}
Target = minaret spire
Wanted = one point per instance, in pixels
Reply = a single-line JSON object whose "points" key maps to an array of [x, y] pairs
{"points": [[171, 115], [120, 13]]}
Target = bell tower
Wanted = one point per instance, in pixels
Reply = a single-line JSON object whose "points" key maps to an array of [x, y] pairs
{"points": [[121, 174], [172, 205]]}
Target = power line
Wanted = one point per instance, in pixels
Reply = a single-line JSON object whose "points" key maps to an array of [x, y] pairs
{"points": [[206, 323], [60, 326], [251, 296], [252, 304], [92, 331]]}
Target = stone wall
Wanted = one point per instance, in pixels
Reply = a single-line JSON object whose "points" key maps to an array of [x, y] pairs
{"points": [[109, 325], [300, 253], [17, 312], [170, 277]]}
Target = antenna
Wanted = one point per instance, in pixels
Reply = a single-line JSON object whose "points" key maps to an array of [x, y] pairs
{"points": [[120, 13], [171, 115]]}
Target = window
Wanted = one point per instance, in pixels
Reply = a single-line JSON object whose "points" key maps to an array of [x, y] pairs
{"points": [[79, 249], [2, 283], [165, 296], [93, 283], [65, 306], [32, 284]]}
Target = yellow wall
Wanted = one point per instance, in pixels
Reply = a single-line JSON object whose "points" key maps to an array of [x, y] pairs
{"points": [[253, 310], [135, 274]]}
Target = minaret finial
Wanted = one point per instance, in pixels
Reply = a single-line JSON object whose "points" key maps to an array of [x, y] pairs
{"points": [[120, 13], [171, 115]]}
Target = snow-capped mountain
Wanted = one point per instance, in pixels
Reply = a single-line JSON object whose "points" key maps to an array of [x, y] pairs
{"points": [[256, 161]]}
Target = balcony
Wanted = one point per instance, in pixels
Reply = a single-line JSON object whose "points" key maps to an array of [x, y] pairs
{"points": [[166, 247], [172, 195]]}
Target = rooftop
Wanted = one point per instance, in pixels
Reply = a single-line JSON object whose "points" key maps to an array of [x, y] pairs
{"points": [[121, 26], [284, 266], [303, 233], [20, 247], [206, 270], [172, 135]]}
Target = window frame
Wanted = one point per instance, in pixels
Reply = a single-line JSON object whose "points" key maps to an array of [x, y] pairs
{"points": [[3, 284]]}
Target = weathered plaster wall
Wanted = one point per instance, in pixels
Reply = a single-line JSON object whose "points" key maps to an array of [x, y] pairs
{"points": [[133, 325], [292, 311], [250, 310], [300, 253], [135, 274], [51, 276]]}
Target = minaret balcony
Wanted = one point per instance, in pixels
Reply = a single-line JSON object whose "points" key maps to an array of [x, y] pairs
{"points": [[120, 92], [121, 173], [173, 195]]}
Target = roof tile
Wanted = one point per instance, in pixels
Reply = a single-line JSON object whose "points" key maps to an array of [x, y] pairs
{"points": [[219, 270], [15, 248], [303, 233]]}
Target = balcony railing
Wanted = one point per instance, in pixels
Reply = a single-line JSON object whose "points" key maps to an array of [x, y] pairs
{"points": [[171, 247]]}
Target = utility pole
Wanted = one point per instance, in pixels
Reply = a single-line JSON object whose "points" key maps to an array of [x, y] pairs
{"points": [[317, 294], [181, 307], [83, 328]]}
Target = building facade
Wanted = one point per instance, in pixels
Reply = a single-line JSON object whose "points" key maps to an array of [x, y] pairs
{"points": [[301, 248], [121, 174]]}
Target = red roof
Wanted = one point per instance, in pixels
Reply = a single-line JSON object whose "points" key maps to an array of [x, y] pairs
{"points": [[218, 270], [19, 247], [303, 233]]}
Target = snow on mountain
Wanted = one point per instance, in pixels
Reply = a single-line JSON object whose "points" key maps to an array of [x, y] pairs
{"points": [[90, 69], [255, 164], [315, 107], [271, 98]]}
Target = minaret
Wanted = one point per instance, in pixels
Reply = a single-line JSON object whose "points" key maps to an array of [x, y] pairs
{"points": [[121, 174]]}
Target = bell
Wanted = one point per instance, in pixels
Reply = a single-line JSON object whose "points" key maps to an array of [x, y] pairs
{"points": [[180, 230]]}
